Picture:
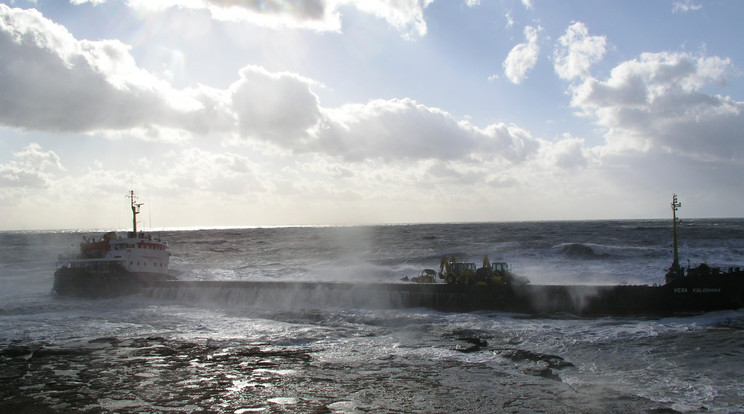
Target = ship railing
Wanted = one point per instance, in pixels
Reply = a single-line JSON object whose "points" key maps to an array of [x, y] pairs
{"points": [[144, 236], [92, 263]]}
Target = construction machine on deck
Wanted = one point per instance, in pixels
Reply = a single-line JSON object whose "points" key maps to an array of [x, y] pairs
{"points": [[465, 273], [497, 273], [457, 273]]}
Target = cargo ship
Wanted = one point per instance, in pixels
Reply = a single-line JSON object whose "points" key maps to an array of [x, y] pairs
{"points": [[138, 263], [113, 266], [461, 287]]}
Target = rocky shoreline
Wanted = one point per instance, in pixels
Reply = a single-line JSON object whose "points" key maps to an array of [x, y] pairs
{"points": [[155, 374]]}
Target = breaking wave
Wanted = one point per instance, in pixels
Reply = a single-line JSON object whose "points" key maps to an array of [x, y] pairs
{"points": [[581, 251]]}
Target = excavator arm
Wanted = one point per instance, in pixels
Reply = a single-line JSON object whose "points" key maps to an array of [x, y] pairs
{"points": [[443, 267]]}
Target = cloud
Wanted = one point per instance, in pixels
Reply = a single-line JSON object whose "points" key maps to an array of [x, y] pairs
{"points": [[509, 19], [404, 129], [657, 102], [93, 2], [392, 129], [53, 82], [57, 83], [277, 107], [321, 15], [407, 15], [312, 14], [224, 173], [282, 110], [568, 153], [28, 168], [576, 52], [523, 57], [684, 6]]}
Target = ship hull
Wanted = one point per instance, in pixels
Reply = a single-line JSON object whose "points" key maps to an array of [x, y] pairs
{"points": [[723, 294], [109, 283], [597, 300]]}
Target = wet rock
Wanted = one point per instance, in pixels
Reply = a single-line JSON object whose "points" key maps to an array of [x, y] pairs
{"points": [[140, 373], [476, 344], [113, 341], [543, 372], [665, 410], [552, 361], [156, 375]]}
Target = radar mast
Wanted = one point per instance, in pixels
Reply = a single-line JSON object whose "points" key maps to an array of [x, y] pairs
{"points": [[135, 210], [675, 206], [675, 271]]}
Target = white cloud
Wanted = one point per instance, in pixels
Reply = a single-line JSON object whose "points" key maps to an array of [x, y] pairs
{"points": [[509, 19], [656, 101], [321, 15], [506, 142], [93, 2], [28, 168], [226, 174], [147, 134], [523, 57], [392, 129], [684, 6], [276, 107], [53, 82], [577, 52], [313, 14], [403, 129], [568, 153], [60, 84], [405, 15]]}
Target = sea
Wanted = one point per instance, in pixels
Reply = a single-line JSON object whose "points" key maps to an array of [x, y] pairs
{"points": [[262, 352]]}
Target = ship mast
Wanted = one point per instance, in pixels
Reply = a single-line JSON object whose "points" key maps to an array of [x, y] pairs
{"points": [[135, 210], [675, 271], [675, 206]]}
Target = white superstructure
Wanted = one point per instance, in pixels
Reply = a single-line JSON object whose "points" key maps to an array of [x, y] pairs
{"points": [[138, 252]]}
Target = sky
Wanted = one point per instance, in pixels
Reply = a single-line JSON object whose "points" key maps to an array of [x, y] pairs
{"points": [[339, 112]]}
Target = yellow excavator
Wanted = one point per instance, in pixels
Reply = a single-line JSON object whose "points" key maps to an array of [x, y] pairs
{"points": [[463, 273], [498, 273], [457, 273], [493, 273]]}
